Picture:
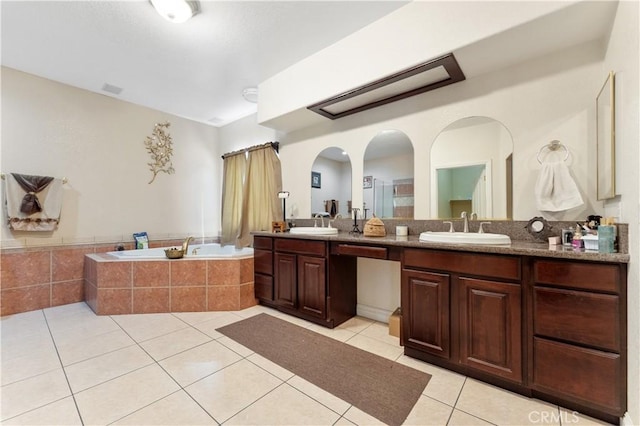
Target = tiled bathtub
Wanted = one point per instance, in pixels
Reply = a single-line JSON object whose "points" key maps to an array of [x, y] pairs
{"points": [[113, 286]]}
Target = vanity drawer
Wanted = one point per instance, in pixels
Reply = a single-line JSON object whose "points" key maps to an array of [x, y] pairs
{"points": [[580, 317], [317, 248], [263, 261], [506, 267], [265, 243], [586, 374], [584, 276], [263, 285], [359, 251]]}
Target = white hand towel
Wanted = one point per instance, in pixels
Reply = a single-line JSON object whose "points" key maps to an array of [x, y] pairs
{"points": [[50, 199], [555, 189]]}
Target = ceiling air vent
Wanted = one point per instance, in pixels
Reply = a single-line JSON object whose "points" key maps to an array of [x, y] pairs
{"points": [[421, 78], [111, 89]]}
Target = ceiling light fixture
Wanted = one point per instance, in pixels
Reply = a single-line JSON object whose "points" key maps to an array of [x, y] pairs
{"points": [[176, 11], [250, 94]]}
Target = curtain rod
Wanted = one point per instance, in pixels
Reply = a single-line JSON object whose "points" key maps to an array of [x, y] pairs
{"points": [[274, 145]]}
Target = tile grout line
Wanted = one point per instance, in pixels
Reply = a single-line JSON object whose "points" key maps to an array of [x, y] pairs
{"points": [[64, 371]]}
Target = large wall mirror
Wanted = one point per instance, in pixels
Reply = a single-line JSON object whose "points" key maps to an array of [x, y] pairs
{"points": [[388, 176], [331, 183], [471, 170], [605, 111]]}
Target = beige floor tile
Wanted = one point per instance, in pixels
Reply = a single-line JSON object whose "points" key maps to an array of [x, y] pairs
{"points": [[20, 397], [444, 385], [241, 350], [380, 331], [105, 367], [124, 395], [209, 327], [29, 365], [72, 351], [460, 418], [337, 333], [16, 345], [356, 324], [148, 326], [201, 361], [502, 407], [255, 310], [19, 324], [173, 343], [285, 406], [194, 318], [323, 397], [343, 422], [270, 367], [175, 409], [76, 328], [428, 411], [375, 346], [62, 413], [70, 310], [232, 389], [359, 417]]}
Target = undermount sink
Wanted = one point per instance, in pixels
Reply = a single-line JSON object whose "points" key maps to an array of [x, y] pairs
{"points": [[313, 230], [465, 238]]}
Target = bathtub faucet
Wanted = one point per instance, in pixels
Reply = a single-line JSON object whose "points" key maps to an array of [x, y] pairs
{"points": [[185, 244]]}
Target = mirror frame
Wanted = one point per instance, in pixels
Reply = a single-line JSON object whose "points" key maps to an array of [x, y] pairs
{"points": [[605, 134]]}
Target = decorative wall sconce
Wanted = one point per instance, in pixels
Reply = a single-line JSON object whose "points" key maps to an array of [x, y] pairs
{"points": [[159, 146]]}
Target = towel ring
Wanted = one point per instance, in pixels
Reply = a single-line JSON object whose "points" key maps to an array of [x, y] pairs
{"points": [[554, 145]]}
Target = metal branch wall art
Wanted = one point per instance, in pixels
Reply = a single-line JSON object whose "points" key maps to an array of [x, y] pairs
{"points": [[159, 146]]}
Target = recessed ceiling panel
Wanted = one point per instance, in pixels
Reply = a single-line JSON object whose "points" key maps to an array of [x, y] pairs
{"points": [[418, 79]]}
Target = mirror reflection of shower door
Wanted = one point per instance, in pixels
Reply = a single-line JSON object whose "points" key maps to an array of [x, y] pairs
{"points": [[382, 198]]}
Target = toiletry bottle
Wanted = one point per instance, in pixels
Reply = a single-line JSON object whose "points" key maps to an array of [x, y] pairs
{"points": [[606, 236], [577, 238]]}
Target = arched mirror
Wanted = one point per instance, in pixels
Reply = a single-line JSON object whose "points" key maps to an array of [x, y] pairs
{"points": [[471, 170], [331, 183], [388, 176]]}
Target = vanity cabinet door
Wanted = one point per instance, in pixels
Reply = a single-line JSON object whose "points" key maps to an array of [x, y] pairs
{"points": [[312, 293], [490, 327], [285, 280], [425, 312]]}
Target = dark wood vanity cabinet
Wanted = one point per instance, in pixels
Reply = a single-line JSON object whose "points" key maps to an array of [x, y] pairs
{"points": [[425, 304], [304, 282], [465, 309], [263, 269], [579, 333]]}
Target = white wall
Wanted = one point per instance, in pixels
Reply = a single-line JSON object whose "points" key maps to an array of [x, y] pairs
{"points": [[622, 58], [97, 143]]}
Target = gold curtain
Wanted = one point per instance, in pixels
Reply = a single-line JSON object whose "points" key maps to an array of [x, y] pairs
{"points": [[232, 198], [261, 202]]}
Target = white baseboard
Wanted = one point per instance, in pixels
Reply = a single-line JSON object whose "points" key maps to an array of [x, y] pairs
{"points": [[373, 313]]}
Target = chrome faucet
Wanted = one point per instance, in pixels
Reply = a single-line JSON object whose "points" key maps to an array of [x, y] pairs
{"points": [[185, 244], [465, 219], [338, 216], [318, 215]]}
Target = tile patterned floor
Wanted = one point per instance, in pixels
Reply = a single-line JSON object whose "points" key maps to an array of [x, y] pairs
{"points": [[67, 366]]}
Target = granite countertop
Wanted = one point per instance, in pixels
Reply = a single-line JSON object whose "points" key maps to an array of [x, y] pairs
{"points": [[522, 248]]}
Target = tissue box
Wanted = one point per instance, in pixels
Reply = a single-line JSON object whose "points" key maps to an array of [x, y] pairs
{"points": [[394, 323], [590, 242]]}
